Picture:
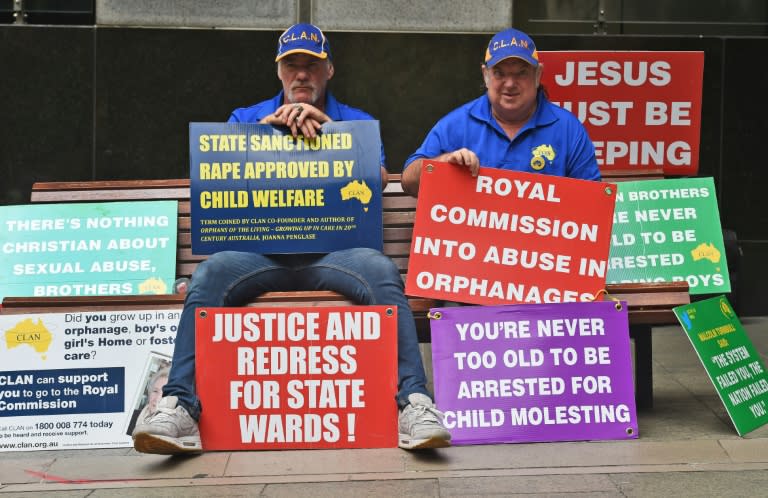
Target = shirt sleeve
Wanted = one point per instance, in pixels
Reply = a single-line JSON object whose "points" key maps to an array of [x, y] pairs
{"points": [[582, 162], [433, 145]]}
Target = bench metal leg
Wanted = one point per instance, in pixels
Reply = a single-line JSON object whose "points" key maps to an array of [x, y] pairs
{"points": [[643, 365]]}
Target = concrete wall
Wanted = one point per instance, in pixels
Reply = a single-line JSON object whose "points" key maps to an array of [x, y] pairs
{"points": [[353, 15], [209, 14], [114, 101]]}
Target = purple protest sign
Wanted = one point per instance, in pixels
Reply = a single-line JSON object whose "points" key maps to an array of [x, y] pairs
{"points": [[534, 372]]}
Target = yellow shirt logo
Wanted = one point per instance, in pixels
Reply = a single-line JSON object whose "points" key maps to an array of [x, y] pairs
{"points": [[541, 153]]}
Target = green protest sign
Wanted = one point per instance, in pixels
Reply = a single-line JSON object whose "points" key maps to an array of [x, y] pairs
{"points": [[667, 231], [88, 249], [730, 359]]}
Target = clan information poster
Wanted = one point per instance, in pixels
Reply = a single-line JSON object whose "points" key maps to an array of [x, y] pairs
{"points": [[82, 379]]}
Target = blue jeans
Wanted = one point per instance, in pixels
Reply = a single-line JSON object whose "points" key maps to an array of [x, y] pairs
{"points": [[230, 278]]}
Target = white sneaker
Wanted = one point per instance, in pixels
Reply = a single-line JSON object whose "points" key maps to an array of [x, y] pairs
{"points": [[168, 431], [421, 425]]}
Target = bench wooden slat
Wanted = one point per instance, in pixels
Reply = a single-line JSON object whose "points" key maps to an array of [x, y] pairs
{"points": [[16, 305], [642, 305], [651, 303], [99, 188], [632, 174], [110, 195], [393, 187], [111, 185]]}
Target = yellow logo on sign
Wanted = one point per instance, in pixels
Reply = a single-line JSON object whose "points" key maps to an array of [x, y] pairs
{"points": [[30, 333], [153, 285], [357, 190]]}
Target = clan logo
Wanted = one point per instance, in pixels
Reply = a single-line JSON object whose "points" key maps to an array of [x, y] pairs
{"points": [[153, 285], [541, 153], [726, 310]]}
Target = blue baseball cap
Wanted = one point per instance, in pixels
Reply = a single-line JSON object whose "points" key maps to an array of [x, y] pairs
{"points": [[511, 43], [303, 39]]}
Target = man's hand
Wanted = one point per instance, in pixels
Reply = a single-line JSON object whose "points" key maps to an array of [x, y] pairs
{"points": [[463, 157], [412, 173], [304, 119]]}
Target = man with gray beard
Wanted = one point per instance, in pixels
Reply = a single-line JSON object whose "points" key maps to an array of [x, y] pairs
{"points": [[233, 278]]}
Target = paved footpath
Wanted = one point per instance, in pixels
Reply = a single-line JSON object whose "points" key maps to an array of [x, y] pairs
{"points": [[687, 447]]}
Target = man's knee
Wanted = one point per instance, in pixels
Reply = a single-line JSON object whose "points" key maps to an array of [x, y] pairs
{"points": [[214, 265], [376, 263]]}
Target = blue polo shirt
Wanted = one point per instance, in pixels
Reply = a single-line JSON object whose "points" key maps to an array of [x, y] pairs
{"points": [[333, 108], [553, 141]]}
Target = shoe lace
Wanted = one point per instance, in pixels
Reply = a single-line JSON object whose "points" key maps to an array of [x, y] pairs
{"points": [[425, 413], [161, 413]]}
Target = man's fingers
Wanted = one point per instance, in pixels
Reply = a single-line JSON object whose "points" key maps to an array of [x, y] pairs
{"points": [[471, 161], [314, 124], [294, 128], [307, 129], [465, 157], [310, 127], [474, 169], [294, 116], [454, 157], [300, 118], [282, 113]]}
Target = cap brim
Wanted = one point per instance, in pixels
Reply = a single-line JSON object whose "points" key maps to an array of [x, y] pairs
{"points": [[322, 55], [492, 62]]}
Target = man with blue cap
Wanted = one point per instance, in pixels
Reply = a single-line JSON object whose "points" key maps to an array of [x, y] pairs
{"points": [[233, 278], [304, 66], [512, 126]]}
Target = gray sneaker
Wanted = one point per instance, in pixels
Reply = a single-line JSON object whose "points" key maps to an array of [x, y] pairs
{"points": [[168, 431], [421, 425]]}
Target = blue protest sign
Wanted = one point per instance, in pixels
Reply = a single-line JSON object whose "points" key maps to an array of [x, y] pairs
{"points": [[257, 188]]}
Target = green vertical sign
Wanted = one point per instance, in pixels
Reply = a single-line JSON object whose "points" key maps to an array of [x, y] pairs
{"points": [[730, 359], [667, 231]]}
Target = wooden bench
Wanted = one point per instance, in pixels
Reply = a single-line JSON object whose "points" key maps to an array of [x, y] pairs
{"points": [[648, 304]]}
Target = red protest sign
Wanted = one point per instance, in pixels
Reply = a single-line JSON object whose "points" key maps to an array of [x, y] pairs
{"points": [[279, 378], [642, 109], [508, 237]]}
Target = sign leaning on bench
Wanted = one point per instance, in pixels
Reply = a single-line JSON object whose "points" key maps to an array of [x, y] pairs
{"points": [[534, 372], [321, 377], [733, 364], [88, 249], [257, 188], [80, 379], [669, 231]]}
